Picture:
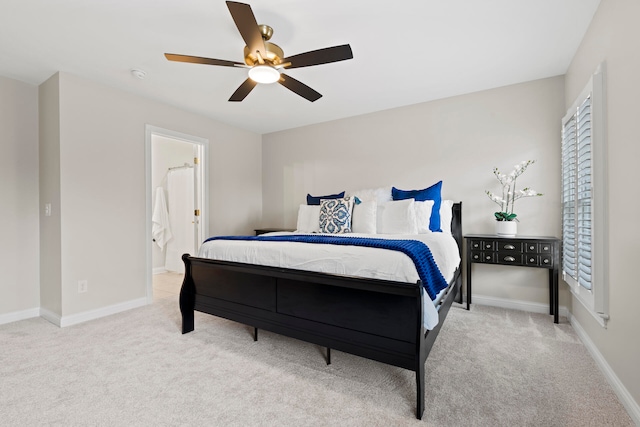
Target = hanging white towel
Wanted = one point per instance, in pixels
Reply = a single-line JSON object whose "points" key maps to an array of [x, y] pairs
{"points": [[161, 230]]}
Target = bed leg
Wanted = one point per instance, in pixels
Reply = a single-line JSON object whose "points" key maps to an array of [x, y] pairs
{"points": [[328, 355], [187, 297], [186, 308], [420, 391], [255, 334]]}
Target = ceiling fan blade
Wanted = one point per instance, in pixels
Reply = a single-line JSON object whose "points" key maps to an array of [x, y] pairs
{"points": [[320, 56], [298, 87], [242, 92], [200, 60], [247, 26]]}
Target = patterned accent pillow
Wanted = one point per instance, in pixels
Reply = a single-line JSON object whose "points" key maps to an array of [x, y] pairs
{"points": [[335, 215]]}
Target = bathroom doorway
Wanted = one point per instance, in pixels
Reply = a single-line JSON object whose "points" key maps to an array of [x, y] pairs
{"points": [[177, 220]]}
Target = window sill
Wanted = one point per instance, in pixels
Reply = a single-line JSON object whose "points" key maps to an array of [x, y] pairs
{"points": [[600, 318]]}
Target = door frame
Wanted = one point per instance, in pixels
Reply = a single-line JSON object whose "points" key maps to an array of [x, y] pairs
{"points": [[202, 189]]}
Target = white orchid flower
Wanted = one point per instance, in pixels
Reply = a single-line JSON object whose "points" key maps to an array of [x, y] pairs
{"points": [[509, 193]]}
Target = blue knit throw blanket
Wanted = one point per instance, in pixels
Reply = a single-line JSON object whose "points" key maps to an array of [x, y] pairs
{"points": [[429, 273]]}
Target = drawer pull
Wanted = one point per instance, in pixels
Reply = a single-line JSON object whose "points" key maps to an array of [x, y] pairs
{"points": [[509, 258], [509, 247]]}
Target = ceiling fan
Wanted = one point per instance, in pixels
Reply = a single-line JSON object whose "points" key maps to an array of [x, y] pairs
{"points": [[266, 60]]}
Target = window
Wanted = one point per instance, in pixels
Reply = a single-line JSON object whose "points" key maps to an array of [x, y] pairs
{"points": [[584, 245]]}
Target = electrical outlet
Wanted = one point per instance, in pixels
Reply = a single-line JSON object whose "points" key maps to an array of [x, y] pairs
{"points": [[83, 286], [47, 209]]}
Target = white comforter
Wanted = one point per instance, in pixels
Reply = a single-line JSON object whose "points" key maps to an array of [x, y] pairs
{"points": [[348, 260]]}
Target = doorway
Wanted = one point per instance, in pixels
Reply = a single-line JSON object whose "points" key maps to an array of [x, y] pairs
{"points": [[177, 217]]}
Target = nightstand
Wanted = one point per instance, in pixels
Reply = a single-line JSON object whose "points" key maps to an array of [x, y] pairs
{"points": [[520, 251], [260, 231]]}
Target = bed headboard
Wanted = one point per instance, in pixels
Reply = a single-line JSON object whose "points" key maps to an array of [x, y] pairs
{"points": [[456, 225]]}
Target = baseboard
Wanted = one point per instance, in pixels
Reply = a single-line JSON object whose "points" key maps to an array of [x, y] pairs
{"points": [[50, 316], [532, 307], [19, 315], [621, 391], [159, 270], [85, 316]]}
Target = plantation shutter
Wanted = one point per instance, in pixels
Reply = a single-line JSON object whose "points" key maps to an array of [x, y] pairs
{"points": [[584, 194], [577, 195], [569, 247]]}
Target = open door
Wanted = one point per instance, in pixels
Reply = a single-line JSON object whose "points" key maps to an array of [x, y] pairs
{"points": [[176, 176]]}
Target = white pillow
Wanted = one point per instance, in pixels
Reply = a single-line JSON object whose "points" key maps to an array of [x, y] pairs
{"points": [[308, 219], [364, 217], [380, 195], [446, 216], [423, 215], [397, 217]]}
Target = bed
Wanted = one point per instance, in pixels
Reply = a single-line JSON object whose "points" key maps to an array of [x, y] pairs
{"points": [[379, 319]]}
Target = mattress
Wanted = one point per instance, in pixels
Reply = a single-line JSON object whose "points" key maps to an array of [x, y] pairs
{"points": [[357, 261]]}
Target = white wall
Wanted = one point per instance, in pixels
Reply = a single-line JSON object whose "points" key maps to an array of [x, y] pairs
{"points": [[49, 173], [459, 140], [103, 190], [19, 230], [613, 36]]}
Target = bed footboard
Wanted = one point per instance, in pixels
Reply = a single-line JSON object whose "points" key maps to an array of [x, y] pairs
{"points": [[376, 319]]}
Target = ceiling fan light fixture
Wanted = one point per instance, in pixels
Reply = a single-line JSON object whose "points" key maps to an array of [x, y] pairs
{"points": [[264, 74]]}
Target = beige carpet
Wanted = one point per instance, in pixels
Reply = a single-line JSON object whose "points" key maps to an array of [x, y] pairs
{"points": [[489, 367]]}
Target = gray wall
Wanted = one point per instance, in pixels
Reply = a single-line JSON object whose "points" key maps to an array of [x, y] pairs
{"points": [[49, 169], [19, 231], [103, 192], [459, 140], [613, 37]]}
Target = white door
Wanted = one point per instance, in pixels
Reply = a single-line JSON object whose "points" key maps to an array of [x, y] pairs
{"points": [[175, 165], [181, 207]]}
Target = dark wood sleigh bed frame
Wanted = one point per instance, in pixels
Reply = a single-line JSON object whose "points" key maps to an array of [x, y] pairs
{"points": [[376, 319]]}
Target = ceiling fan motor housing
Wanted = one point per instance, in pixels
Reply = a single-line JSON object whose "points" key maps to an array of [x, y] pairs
{"points": [[274, 55]]}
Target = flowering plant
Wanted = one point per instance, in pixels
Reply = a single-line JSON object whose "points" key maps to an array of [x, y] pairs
{"points": [[509, 193]]}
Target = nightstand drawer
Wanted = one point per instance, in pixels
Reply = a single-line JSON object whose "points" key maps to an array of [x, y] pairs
{"points": [[510, 258], [488, 245], [483, 245], [538, 248], [509, 246], [488, 257], [539, 260]]}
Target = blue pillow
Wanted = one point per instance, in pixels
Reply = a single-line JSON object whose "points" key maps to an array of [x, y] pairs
{"points": [[312, 200], [431, 193]]}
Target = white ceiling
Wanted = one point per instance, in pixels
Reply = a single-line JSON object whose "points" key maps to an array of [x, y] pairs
{"points": [[405, 51]]}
